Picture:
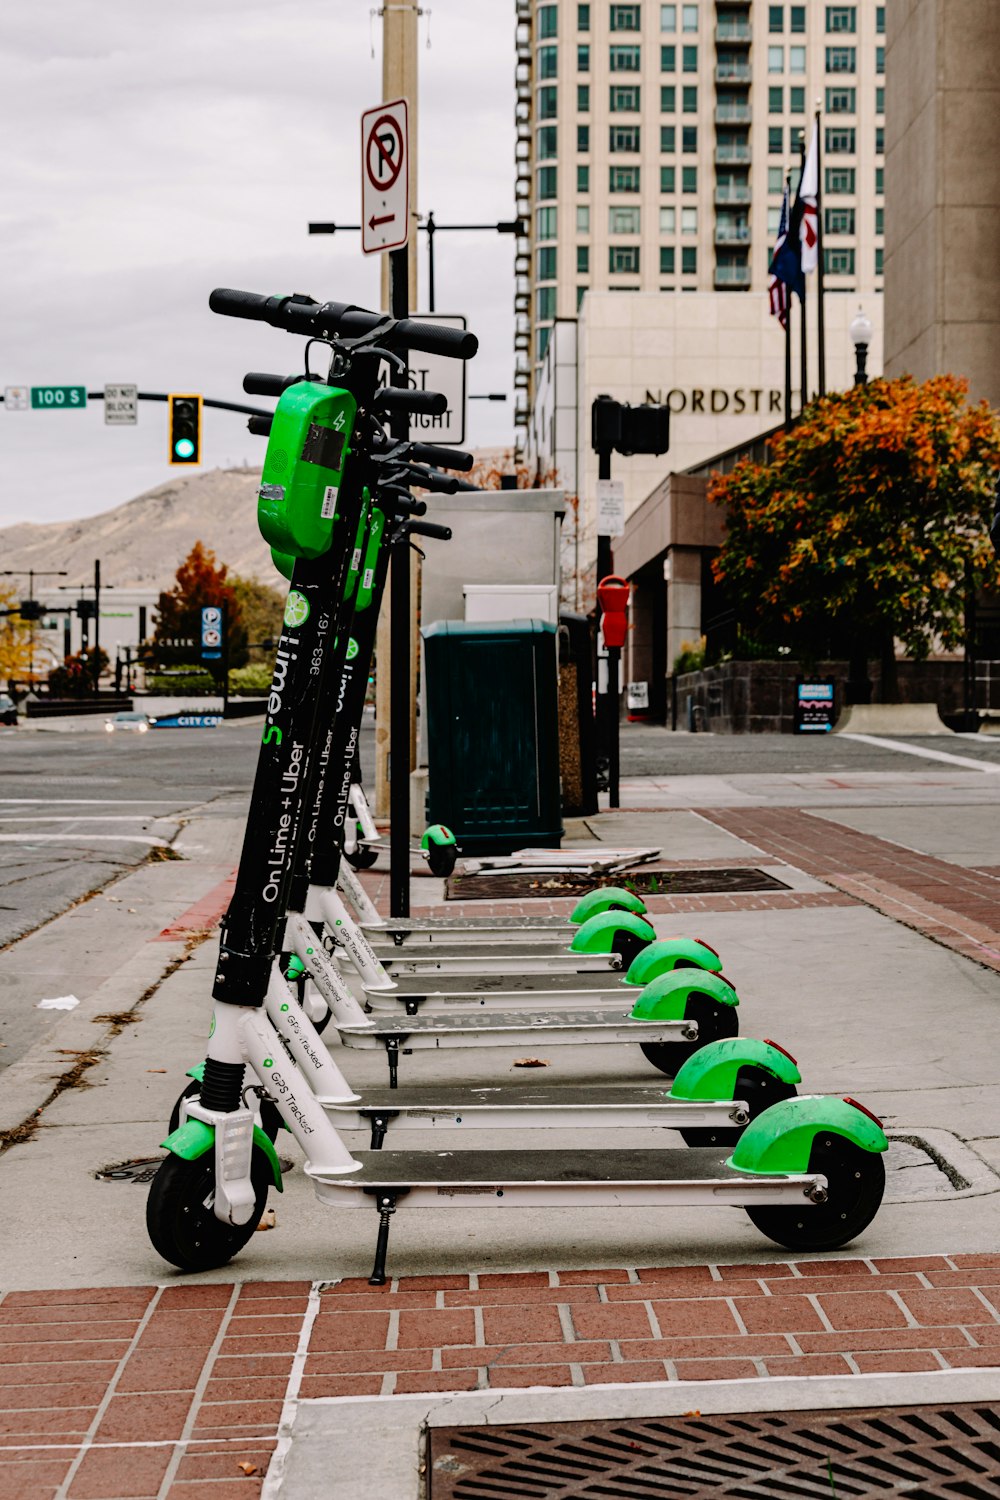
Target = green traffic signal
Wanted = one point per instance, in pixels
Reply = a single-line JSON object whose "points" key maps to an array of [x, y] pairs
{"points": [[185, 429]]}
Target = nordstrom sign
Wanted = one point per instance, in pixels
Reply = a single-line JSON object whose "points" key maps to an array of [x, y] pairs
{"points": [[719, 400]]}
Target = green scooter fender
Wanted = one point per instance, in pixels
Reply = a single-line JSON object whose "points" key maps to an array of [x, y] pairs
{"points": [[671, 953], [712, 1071], [666, 998], [609, 931], [438, 834], [606, 898], [781, 1138], [194, 1138]]}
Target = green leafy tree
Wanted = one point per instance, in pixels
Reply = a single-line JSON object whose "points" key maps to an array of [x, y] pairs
{"points": [[868, 525], [200, 581], [261, 610]]}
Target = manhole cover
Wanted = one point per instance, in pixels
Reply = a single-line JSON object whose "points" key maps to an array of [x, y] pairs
{"points": [[500, 886], [923, 1452]]}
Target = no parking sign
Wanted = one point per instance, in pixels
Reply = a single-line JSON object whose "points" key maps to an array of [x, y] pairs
{"points": [[211, 633]]}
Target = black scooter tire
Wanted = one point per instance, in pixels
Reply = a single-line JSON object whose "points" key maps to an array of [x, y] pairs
{"points": [[441, 859], [760, 1089], [714, 1022], [856, 1183], [179, 1220], [362, 858]]}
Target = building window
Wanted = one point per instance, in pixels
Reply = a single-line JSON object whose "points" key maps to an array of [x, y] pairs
{"points": [[548, 62], [668, 139], [545, 303], [583, 137], [668, 18], [623, 259], [547, 102], [879, 260], [583, 259], [689, 260], [689, 59], [545, 141], [668, 179], [689, 18], [623, 220], [583, 58], [689, 221], [880, 59], [775, 18], [880, 19], [840, 140], [541, 342], [583, 179], [841, 18], [689, 140], [796, 101], [798, 20], [583, 18], [776, 179], [624, 59], [623, 179], [880, 100], [545, 263], [840, 180], [775, 140], [668, 99], [841, 101], [879, 180], [668, 59], [625, 18], [667, 260], [545, 178], [880, 220], [776, 100], [689, 179], [838, 262], [773, 222], [689, 99], [668, 221], [841, 59], [775, 59], [624, 138], [548, 21], [582, 218], [545, 223], [583, 98], [580, 293], [796, 59], [624, 98], [838, 220], [879, 140]]}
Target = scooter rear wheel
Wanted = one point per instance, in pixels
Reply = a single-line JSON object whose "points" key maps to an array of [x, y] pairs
{"points": [[441, 859], [856, 1182], [180, 1219], [714, 1022], [760, 1089]]}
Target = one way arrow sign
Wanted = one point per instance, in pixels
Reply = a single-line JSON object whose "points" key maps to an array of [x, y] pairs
{"points": [[385, 174]]}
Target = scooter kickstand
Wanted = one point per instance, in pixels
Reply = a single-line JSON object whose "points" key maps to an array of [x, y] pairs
{"points": [[386, 1205]]}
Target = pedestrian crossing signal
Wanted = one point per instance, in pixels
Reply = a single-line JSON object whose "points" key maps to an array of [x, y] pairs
{"points": [[185, 429]]}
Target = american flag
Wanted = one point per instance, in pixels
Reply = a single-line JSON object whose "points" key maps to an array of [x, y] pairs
{"points": [[777, 289], [808, 195]]}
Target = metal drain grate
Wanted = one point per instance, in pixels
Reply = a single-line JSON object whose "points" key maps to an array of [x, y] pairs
{"points": [[494, 887], [922, 1452]]}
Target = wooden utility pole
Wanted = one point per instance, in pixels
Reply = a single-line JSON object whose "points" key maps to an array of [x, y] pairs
{"points": [[399, 81]]}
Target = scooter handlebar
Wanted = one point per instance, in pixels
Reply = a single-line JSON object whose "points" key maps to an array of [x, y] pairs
{"points": [[401, 398], [443, 458], [257, 383], [300, 314], [429, 528]]}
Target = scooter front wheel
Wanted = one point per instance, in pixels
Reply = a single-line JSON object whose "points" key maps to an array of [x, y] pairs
{"points": [[180, 1219], [856, 1183], [715, 1021], [361, 858]]}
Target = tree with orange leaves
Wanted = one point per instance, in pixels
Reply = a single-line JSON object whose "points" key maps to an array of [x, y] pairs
{"points": [[868, 525], [200, 580]]}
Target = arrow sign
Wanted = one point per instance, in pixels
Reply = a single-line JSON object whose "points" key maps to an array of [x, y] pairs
{"points": [[385, 178]]}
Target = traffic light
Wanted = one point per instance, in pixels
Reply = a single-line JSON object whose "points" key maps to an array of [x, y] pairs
{"points": [[185, 429], [31, 609]]}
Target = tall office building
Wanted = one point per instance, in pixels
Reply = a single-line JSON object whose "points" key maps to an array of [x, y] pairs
{"points": [[654, 140]]}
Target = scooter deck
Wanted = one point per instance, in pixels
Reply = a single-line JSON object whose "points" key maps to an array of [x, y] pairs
{"points": [[483, 961], [427, 926], [605, 982], [525, 1002], [469, 1029]]}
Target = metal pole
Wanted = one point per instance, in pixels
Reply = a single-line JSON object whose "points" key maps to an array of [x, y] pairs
{"points": [[97, 626], [430, 227], [399, 648], [804, 370], [605, 565], [614, 725], [788, 332], [820, 304]]}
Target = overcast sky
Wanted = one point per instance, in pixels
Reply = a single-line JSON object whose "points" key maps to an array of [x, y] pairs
{"points": [[154, 151]]}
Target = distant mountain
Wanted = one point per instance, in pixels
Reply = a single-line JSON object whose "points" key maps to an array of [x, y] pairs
{"points": [[141, 542]]}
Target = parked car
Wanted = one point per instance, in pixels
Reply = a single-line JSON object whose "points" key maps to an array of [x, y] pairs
{"points": [[8, 709], [132, 720]]}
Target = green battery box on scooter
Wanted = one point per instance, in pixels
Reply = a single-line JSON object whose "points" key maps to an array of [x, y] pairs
{"points": [[306, 453]]}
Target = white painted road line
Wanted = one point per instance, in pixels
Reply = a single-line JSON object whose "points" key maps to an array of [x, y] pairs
{"points": [[27, 837], [990, 767], [87, 818]]}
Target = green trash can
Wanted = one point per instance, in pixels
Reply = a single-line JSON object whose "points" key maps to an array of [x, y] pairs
{"points": [[491, 693]]}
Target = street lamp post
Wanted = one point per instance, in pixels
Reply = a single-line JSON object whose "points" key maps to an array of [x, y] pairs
{"points": [[858, 688], [861, 331]]}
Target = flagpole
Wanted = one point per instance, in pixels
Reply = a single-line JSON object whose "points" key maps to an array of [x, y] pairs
{"points": [[820, 303], [804, 368], [788, 328]]}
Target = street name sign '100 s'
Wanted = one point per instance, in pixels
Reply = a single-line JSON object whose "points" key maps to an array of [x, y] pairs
{"points": [[385, 178], [58, 397]]}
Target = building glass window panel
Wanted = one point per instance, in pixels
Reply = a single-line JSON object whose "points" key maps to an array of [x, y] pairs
{"points": [[545, 303], [689, 18], [548, 62], [668, 180], [837, 262], [879, 180], [880, 220], [623, 260], [667, 260], [668, 99], [840, 140], [840, 180], [545, 179], [668, 17], [880, 19], [547, 102], [689, 140], [583, 98], [879, 260], [689, 221], [689, 179], [624, 98], [583, 259], [880, 100], [775, 59], [689, 59], [838, 221], [668, 220], [548, 21], [880, 60], [841, 101], [776, 179], [776, 99], [545, 263], [879, 140], [775, 140], [581, 292], [689, 99], [583, 137], [796, 101], [841, 60], [668, 59], [624, 59], [668, 139], [583, 18], [623, 179], [624, 138], [798, 20], [583, 58], [796, 59], [689, 260], [623, 220], [583, 179], [545, 223], [841, 18], [625, 18], [541, 342], [546, 138], [775, 18], [773, 221], [582, 218]]}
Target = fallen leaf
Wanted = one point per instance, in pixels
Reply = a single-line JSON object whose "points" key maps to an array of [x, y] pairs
{"points": [[133, 908], [269, 1221], [248, 1469], [531, 1062], [156, 1070]]}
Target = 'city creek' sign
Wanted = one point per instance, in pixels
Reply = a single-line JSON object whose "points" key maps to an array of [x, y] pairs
{"points": [[719, 400]]}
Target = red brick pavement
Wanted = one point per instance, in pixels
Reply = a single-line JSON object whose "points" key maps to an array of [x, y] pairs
{"points": [[172, 1393]]}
